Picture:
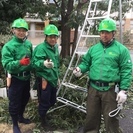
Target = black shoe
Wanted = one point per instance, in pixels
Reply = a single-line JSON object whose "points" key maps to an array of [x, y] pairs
{"points": [[24, 120], [44, 122], [16, 129]]}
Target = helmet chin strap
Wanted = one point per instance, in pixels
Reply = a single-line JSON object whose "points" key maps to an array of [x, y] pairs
{"points": [[25, 38]]}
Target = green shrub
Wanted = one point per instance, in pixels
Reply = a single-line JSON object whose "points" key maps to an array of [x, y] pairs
{"points": [[3, 40]]}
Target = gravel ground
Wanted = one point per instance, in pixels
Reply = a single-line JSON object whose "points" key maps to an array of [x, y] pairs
{"points": [[126, 121]]}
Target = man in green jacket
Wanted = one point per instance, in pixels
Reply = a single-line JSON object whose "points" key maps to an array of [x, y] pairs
{"points": [[46, 64], [16, 60], [108, 64]]}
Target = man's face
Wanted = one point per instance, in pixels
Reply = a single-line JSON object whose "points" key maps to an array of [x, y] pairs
{"points": [[19, 32], [106, 36], [52, 39]]}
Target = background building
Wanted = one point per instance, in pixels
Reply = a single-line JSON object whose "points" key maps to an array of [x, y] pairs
{"points": [[36, 26]]}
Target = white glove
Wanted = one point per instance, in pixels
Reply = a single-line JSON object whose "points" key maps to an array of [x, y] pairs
{"points": [[121, 97], [77, 72], [48, 63]]}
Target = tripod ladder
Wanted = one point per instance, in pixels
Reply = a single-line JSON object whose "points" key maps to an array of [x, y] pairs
{"points": [[86, 38]]}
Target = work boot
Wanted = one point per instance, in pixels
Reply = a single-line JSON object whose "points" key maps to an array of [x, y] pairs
{"points": [[44, 122], [16, 128], [46, 125], [21, 119]]}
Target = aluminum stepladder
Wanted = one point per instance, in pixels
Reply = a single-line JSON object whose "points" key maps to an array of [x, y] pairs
{"points": [[68, 84]]}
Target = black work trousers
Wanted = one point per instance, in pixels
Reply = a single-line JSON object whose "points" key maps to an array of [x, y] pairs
{"points": [[101, 103], [18, 94], [47, 97]]}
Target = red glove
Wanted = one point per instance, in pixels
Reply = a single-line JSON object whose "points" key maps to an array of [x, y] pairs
{"points": [[25, 61]]}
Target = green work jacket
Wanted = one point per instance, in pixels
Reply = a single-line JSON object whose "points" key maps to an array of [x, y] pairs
{"points": [[109, 64], [41, 53], [12, 52]]}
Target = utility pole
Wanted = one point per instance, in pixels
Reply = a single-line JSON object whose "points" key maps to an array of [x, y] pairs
{"points": [[120, 20]]}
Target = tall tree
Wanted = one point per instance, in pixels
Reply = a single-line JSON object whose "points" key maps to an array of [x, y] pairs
{"points": [[12, 9], [69, 21], [71, 17], [71, 13]]}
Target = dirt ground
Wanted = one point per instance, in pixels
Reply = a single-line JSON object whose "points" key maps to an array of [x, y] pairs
{"points": [[4, 128], [126, 123]]}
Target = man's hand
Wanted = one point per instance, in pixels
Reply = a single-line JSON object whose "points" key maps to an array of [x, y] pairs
{"points": [[25, 61], [77, 72], [48, 63], [121, 97]]}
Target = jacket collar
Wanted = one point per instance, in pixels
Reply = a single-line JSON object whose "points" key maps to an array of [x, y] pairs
{"points": [[17, 39], [109, 43]]}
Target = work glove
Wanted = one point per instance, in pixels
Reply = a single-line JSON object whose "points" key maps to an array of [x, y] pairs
{"points": [[25, 61], [77, 72], [48, 63], [121, 97]]}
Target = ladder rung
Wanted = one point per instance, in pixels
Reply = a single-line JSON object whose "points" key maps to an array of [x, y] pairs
{"points": [[80, 53], [74, 105], [90, 36], [92, 18], [74, 86], [97, 0]]}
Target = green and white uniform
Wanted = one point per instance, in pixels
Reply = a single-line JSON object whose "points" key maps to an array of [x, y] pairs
{"points": [[109, 64], [12, 52], [43, 52]]}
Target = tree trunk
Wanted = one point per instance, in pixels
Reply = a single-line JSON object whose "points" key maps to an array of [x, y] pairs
{"points": [[75, 40], [65, 39]]}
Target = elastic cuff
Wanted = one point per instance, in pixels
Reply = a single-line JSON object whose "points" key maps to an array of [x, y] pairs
{"points": [[125, 91]]}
